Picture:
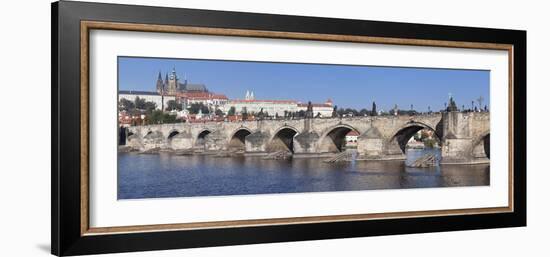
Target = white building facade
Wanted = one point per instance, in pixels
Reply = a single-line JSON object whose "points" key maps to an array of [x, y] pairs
{"points": [[148, 96], [271, 107], [323, 110], [211, 100], [275, 107]]}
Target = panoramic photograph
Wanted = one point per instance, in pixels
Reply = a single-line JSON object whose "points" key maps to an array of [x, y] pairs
{"points": [[191, 127]]}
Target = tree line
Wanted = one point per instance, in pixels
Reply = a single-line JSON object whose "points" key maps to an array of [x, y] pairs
{"points": [[140, 106]]}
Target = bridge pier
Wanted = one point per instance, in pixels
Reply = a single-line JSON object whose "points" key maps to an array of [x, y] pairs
{"points": [[256, 142], [215, 141], [134, 142], [464, 137], [459, 141], [306, 143], [181, 141], [372, 145]]}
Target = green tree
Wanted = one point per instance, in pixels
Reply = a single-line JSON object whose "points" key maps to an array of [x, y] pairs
{"points": [[244, 113], [373, 111], [363, 112], [156, 117], [341, 112], [169, 118], [351, 111], [126, 105], [149, 107], [142, 104], [159, 117], [195, 107], [231, 111], [173, 105], [139, 103]]}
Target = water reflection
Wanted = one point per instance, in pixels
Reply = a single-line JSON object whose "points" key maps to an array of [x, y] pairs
{"points": [[165, 175]]}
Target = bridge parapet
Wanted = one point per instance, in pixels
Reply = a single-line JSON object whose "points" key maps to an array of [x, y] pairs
{"points": [[380, 137]]}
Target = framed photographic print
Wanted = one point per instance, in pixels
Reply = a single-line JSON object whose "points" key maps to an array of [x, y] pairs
{"points": [[177, 128]]}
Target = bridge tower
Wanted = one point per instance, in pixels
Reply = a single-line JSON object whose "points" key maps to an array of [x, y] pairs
{"points": [[462, 132]]}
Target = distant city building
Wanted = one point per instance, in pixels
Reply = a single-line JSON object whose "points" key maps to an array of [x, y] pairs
{"points": [[211, 100], [126, 119], [154, 97], [275, 107], [351, 139], [186, 94], [271, 107], [319, 110]]}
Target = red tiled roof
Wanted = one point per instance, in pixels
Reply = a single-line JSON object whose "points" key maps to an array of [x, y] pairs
{"points": [[199, 98], [219, 96], [194, 94], [265, 101], [315, 105], [201, 95], [352, 133]]}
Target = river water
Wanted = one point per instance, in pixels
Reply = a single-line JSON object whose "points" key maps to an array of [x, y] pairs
{"points": [[166, 175]]}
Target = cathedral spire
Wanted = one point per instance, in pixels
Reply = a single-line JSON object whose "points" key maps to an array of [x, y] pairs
{"points": [[160, 84], [174, 75]]}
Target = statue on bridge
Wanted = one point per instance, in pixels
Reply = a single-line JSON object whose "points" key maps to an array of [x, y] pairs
{"points": [[309, 110]]}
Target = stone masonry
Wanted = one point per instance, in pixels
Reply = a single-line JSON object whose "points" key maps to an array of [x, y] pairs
{"points": [[464, 137]]}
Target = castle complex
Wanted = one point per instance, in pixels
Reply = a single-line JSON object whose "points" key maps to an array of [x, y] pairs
{"points": [[171, 88]]}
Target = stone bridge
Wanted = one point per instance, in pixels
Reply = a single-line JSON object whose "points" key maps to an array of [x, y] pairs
{"points": [[464, 137]]}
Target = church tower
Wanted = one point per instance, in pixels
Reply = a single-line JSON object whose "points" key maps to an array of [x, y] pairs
{"points": [[160, 85], [173, 83], [165, 82]]}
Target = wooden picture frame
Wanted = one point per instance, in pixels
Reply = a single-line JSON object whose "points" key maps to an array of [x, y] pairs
{"points": [[71, 24]]}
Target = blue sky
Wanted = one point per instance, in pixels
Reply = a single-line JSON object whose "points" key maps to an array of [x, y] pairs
{"points": [[348, 86]]}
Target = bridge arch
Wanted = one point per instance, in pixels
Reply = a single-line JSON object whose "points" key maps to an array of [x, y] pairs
{"points": [[403, 134], [334, 138], [172, 134], [149, 132], [283, 139], [237, 139], [201, 137], [481, 146]]}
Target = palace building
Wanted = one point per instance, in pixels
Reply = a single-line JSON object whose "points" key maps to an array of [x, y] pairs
{"points": [[276, 107], [319, 110], [211, 100]]}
